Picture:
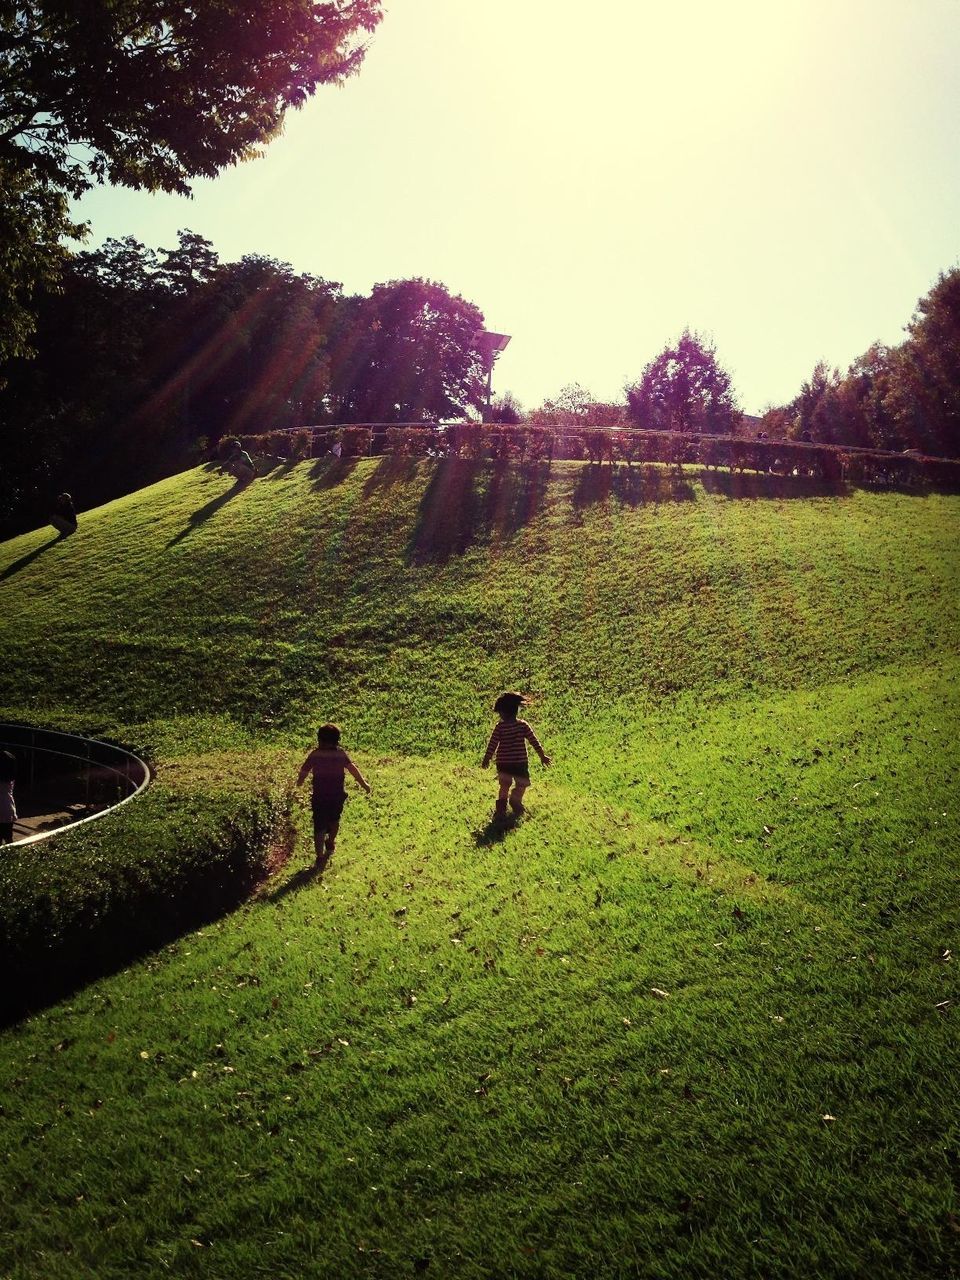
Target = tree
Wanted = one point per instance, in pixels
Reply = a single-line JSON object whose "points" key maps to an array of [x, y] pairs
{"points": [[193, 263], [574, 406], [809, 409], [407, 354], [924, 395], [684, 389], [34, 218], [243, 351], [145, 94], [506, 409]]}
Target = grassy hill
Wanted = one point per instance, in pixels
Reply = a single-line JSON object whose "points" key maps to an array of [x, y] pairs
{"points": [[692, 1016]]}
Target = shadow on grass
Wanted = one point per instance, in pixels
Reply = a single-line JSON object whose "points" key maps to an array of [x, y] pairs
{"points": [[468, 501], [756, 484], [302, 879], [631, 486], [204, 513], [270, 467], [390, 470], [328, 472], [22, 563], [91, 947], [496, 831]]}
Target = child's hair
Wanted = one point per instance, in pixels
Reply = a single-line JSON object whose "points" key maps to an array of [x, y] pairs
{"points": [[328, 735], [508, 704], [8, 766]]}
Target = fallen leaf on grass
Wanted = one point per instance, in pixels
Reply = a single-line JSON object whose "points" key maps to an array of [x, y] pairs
{"points": [[828, 1119], [660, 993]]}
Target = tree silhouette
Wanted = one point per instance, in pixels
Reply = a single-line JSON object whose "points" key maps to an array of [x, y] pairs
{"points": [[144, 94], [684, 389]]}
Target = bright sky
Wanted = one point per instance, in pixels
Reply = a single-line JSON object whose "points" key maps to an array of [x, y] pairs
{"points": [[781, 176]]}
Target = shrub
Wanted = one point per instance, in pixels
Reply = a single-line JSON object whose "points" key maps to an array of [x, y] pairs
{"points": [[355, 441], [535, 442], [94, 896]]}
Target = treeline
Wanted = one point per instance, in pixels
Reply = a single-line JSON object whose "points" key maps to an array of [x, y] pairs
{"points": [[897, 398], [145, 358]]}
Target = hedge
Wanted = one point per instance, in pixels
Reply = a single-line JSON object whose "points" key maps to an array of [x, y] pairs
{"points": [[94, 896], [832, 464]]}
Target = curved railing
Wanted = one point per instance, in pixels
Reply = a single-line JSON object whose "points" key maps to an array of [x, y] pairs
{"points": [[87, 774]]}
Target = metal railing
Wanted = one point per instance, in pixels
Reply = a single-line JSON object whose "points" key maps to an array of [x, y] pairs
{"points": [[114, 774]]}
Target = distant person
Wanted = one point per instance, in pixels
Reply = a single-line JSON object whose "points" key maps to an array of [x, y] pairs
{"points": [[64, 515], [8, 808], [509, 742], [239, 464], [328, 763]]}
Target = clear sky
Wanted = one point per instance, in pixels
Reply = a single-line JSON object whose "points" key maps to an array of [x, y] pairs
{"points": [[783, 176]]}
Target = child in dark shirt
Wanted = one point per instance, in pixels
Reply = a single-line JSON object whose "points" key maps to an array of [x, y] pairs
{"points": [[509, 741], [64, 515], [8, 808], [328, 763]]}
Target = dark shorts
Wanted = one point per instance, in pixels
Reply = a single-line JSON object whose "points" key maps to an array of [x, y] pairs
{"points": [[327, 810], [515, 770]]}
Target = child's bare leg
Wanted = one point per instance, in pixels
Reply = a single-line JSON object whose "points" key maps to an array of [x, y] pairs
{"points": [[321, 830], [332, 830], [500, 808], [516, 797]]}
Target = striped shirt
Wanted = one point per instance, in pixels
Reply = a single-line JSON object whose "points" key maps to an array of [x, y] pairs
{"points": [[509, 739], [328, 767]]}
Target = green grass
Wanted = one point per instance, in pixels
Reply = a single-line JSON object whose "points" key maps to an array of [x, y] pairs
{"points": [[450, 1056]]}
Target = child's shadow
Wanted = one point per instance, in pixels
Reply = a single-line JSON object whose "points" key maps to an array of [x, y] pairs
{"points": [[496, 830], [304, 877]]}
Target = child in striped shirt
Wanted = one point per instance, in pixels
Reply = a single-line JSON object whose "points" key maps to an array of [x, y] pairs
{"points": [[509, 741]]}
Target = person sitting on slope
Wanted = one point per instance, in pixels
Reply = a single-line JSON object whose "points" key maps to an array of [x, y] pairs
{"points": [[239, 464], [64, 515]]}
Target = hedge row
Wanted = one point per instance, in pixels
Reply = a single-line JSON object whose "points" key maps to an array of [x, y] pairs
{"points": [[93, 897], [832, 464]]}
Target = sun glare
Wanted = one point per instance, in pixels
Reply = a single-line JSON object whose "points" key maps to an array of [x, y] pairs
{"points": [[595, 181]]}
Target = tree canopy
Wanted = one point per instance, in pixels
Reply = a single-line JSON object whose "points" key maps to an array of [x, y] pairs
{"points": [[684, 389], [410, 355], [145, 94], [904, 397], [146, 357]]}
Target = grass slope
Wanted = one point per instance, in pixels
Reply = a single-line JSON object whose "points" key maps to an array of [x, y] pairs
{"points": [[693, 1016]]}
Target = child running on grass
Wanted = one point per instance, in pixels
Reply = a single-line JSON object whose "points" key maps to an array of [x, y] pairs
{"points": [[328, 762], [509, 740]]}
